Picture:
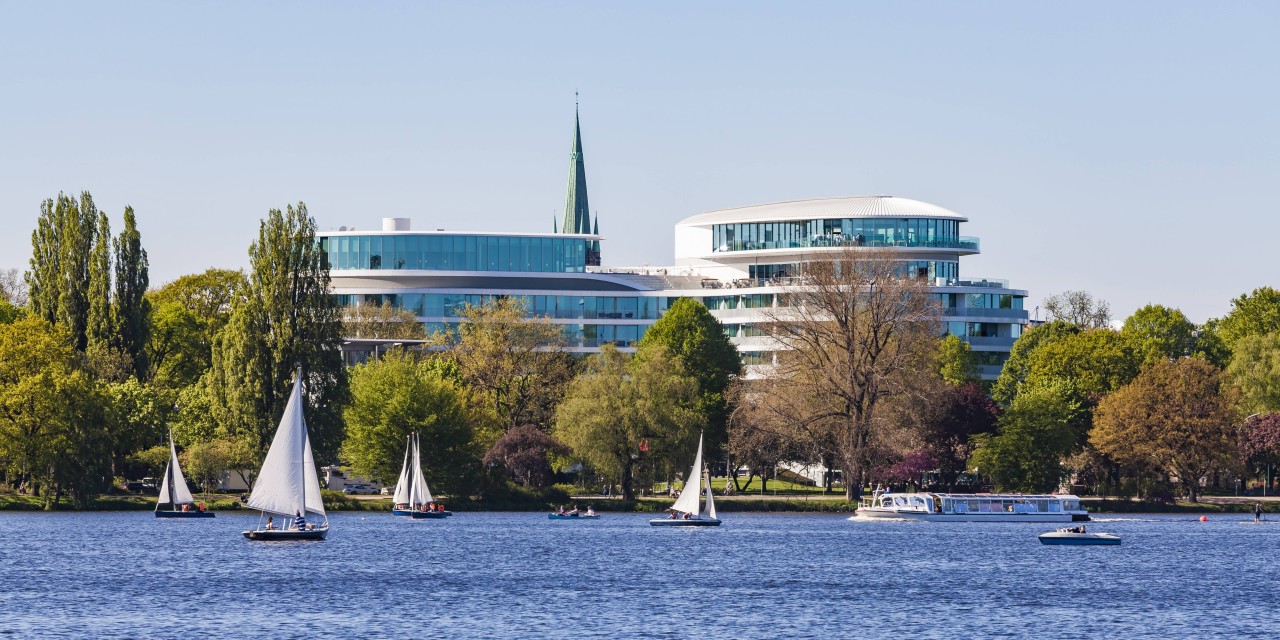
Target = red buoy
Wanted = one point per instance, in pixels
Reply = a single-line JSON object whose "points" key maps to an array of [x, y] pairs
{"points": [[1204, 518]]}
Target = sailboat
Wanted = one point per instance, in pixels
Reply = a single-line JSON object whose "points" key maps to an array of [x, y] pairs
{"points": [[687, 511], [174, 491], [412, 495], [288, 486]]}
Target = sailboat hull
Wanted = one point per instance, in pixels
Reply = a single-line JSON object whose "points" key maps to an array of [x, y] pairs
{"points": [[184, 514], [282, 535], [430, 515], [692, 522]]}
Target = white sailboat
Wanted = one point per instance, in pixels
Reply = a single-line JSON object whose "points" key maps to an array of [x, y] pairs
{"points": [[174, 491], [687, 511], [412, 497], [288, 485]]}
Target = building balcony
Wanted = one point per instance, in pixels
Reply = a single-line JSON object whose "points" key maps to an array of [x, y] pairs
{"points": [[963, 243]]}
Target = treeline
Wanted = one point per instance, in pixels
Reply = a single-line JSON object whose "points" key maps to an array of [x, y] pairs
{"points": [[96, 370]]}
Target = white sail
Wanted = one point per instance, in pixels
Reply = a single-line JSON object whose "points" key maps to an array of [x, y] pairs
{"points": [[711, 501], [688, 500], [401, 496], [288, 484], [423, 494], [180, 494]]}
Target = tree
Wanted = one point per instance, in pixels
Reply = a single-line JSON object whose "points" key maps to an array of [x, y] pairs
{"points": [[1034, 435], [1162, 332], [526, 452], [10, 313], [185, 315], [287, 318], [1016, 368], [853, 332], [955, 361], [1079, 308], [100, 323], [132, 309], [207, 462], [1097, 361], [13, 289], [1251, 315], [395, 396], [517, 362], [689, 333], [58, 281], [1260, 441], [1177, 415], [620, 411], [1255, 371], [382, 322], [964, 412], [53, 425], [762, 434]]}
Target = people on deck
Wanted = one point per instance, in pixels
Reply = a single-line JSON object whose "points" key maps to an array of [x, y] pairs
{"points": [[271, 525], [562, 511], [675, 515], [574, 511], [688, 516], [300, 522], [186, 507], [591, 512], [201, 507]]}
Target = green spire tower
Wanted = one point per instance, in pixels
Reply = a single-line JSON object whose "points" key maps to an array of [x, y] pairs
{"points": [[577, 213]]}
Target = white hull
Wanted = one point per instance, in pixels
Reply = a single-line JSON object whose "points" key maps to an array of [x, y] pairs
{"points": [[888, 514]]}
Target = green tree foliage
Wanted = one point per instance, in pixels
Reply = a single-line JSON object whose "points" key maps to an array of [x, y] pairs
{"points": [[618, 407], [955, 362], [1251, 315], [695, 338], [10, 313], [395, 396], [58, 281], [1097, 361], [137, 414], [1255, 371], [1209, 343], [1018, 366], [1034, 435], [132, 309], [205, 463], [100, 324], [287, 317], [1178, 416], [185, 316], [53, 423], [516, 362], [1161, 332]]}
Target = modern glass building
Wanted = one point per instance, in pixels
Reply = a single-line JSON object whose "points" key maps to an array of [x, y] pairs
{"points": [[736, 261]]}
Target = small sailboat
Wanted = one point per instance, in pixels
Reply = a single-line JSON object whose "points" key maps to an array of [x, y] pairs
{"points": [[174, 492], [288, 485], [687, 511], [412, 497]]}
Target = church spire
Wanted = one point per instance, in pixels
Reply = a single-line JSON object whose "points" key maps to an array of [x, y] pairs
{"points": [[577, 216]]}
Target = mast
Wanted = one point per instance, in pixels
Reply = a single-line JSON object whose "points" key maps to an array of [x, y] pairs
{"points": [[302, 454], [168, 472]]}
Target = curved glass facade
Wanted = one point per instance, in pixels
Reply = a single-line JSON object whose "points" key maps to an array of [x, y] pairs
{"points": [[449, 305], [948, 269], [444, 252], [861, 232]]}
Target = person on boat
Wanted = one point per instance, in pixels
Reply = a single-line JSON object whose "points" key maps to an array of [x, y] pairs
{"points": [[1257, 512], [591, 512], [439, 507], [300, 522], [687, 516], [574, 511], [271, 525], [675, 515], [186, 507], [201, 507], [562, 511]]}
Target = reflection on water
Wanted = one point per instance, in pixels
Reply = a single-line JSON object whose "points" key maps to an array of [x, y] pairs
{"points": [[129, 575]]}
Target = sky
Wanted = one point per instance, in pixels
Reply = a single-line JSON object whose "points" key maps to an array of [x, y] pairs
{"points": [[1127, 149]]}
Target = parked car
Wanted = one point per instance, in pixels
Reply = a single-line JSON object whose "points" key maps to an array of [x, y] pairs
{"points": [[386, 491], [359, 489]]}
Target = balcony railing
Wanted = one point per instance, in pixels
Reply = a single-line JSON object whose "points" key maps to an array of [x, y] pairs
{"points": [[967, 243]]}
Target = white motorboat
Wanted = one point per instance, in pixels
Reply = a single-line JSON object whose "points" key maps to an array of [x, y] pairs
{"points": [[687, 511], [1078, 535], [973, 507], [288, 485]]}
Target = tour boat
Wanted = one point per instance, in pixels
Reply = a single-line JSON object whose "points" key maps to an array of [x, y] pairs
{"points": [[411, 488], [687, 511], [573, 516], [1073, 536], [174, 491], [973, 507], [288, 485]]}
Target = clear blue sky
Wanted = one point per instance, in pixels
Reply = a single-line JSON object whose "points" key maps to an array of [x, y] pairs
{"points": [[1130, 149]]}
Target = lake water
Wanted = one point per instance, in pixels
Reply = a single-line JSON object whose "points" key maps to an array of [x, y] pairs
{"points": [[129, 575]]}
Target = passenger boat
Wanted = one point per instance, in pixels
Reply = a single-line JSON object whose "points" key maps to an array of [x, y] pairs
{"points": [[686, 512], [973, 507], [1073, 536], [412, 496], [174, 492], [288, 485]]}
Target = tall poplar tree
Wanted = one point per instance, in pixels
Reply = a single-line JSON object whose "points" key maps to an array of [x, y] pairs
{"points": [[287, 317], [99, 323], [58, 281], [132, 309]]}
